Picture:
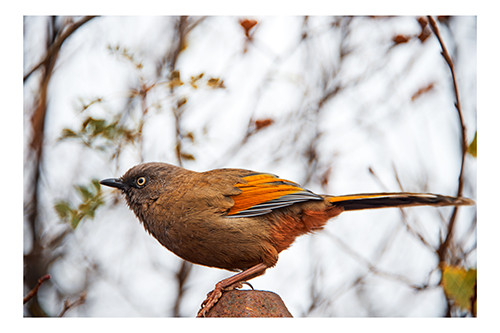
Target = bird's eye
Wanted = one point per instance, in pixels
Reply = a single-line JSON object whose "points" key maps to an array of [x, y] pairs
{"points": [[141, 181]]}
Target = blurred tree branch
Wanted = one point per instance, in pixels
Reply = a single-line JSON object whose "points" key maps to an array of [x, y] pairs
{"points": [[69, 305], [36, 261], [53, 50], [34, 291], [463, 139], [181, 31], [443, 251]]}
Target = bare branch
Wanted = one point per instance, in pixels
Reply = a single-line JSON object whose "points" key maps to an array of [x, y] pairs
{"points": [[55, 47], [37, 260], [34, 291], [181, 277], [370, 266], [444, 245], [404, 216], [68, 305]]}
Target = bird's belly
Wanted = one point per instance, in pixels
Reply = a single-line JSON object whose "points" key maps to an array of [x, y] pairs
{"points": [[229, 246]]}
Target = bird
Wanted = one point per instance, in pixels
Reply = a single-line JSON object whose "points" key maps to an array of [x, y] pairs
{"points": [[237, 219]]}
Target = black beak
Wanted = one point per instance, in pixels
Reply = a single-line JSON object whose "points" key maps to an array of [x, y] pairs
{"points": [[114, 182]]}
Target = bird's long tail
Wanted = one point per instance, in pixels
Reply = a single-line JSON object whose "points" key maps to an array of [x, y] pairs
{"points": [[402, 199]]}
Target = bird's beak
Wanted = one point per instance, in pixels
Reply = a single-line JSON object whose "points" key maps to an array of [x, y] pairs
{"points": [[114, 182]]}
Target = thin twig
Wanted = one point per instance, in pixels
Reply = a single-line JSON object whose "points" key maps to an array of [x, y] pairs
{"points": [[444, 245], [68, 305], [181, 277], [34, 291], [57, 44], [182, 30], [370, 266], [442, 251], [36, 260], [404, 216]]}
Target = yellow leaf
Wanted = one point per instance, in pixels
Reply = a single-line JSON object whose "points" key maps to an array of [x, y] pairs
{"points": [[458, 285], [472, 149]]}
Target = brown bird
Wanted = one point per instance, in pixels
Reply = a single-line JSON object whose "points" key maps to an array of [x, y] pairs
{"points": [[236, 219]]}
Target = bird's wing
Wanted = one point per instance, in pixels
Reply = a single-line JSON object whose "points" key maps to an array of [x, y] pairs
{"points": [[263, 192]]}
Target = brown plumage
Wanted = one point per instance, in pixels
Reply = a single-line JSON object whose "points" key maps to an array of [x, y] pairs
{"points": [[238, 219]]}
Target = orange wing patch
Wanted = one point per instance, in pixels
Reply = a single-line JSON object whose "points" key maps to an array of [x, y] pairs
{"points": [[261, 193]]}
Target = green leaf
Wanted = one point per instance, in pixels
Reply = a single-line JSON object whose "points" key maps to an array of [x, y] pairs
{"points": [[472, 149], [91, 200], [67, 133], [84, 192], [100, 134], [75, 221], [458, 285], [63, 209], [96, 185], [86, 122]]}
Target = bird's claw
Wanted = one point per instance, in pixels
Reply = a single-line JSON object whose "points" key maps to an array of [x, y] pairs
{"points": [[214, 296]]}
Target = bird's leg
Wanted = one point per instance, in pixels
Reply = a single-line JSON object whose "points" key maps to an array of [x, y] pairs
{"points": [[230, 283]]}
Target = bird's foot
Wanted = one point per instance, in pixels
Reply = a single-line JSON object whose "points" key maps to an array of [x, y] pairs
{"points": [[214, 296], [231, 283]]}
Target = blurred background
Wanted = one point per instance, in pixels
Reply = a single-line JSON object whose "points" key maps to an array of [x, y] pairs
{"points": [[338, 104]]}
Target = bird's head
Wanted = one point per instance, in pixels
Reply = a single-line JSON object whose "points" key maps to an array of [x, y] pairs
{"points": [[144, 183]]}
